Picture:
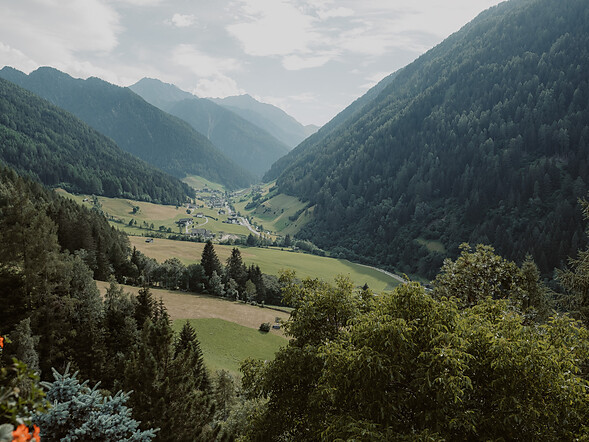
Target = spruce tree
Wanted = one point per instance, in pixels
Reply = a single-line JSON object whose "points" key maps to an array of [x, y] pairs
{"points": [[236, 270], [209, 260], [79, 412]]}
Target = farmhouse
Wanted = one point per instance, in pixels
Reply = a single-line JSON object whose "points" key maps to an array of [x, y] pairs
{"points": [[184, 221]]}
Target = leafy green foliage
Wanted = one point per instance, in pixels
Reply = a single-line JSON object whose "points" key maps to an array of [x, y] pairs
{"points": [[17, 405], [482, 139], [137, 127], [408, 366], [56, 148]]}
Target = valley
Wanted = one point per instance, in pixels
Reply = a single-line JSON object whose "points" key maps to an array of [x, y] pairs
{"points": [[415, 269]]}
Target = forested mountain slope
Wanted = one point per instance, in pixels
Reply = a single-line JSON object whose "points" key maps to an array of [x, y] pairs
{"points": [[482, 139], [269, 117], [246, 144], [135, 125], [46, 142]]}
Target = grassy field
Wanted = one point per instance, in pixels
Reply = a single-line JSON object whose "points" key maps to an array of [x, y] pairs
{"points": [[226, 344], [274, 214], [158, 215], [270, 260], [227, 330], [198, 182]]}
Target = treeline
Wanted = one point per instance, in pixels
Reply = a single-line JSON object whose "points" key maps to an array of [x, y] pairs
{"points": [[30, 211], [234, 280], [54, 318], [482, 139], [54, 147]]}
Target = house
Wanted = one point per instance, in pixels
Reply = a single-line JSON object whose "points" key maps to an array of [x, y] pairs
{"points": [[200, 215], [233, 220], [184, 221], [222, 212], [203, 233]]}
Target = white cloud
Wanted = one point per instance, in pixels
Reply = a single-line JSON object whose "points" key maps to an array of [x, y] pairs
{"points": [[201, 64], [54, 32], [297, 62], [182, 21], [219, 86], [15, 58], [273, 27]]}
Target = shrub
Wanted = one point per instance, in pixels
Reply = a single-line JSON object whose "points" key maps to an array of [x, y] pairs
{"points": [[265, 327]]}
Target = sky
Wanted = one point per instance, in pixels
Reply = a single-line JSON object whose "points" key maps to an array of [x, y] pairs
{"points": [[311, 58]]}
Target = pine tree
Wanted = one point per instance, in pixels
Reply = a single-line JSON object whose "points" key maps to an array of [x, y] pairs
{"points": [[236, 270], [209, 260]]}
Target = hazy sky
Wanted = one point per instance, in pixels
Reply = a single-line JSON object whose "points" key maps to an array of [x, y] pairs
{"points": [[310, 57]]}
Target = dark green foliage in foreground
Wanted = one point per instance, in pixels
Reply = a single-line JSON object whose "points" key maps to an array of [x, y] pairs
{"points": [[58, 149], [408, 366], [79, 412], [137, 127], [483, 139]]}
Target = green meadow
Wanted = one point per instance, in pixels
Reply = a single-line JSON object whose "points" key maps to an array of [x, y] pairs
{"points": [[271, 261], [225, 344]]}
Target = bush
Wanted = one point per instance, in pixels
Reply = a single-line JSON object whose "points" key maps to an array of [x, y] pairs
{"points": [[265, 327]]}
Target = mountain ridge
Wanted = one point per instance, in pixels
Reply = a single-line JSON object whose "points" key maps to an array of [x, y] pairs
{"points": [[42, 140], [243, 142], [138, 127], [481, 139]]}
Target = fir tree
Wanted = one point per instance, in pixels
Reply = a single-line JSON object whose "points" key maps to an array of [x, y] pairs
{"points": [[209, 260]]}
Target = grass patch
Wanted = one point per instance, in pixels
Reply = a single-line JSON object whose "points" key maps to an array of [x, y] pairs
{"points": [[270, 260], [225, 344], [198, 182]]}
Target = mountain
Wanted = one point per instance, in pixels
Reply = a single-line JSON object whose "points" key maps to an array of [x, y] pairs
{"points": [[271, 118], [246, 144], [160, 94], [483, 139], [135, 125], [43, 141]]}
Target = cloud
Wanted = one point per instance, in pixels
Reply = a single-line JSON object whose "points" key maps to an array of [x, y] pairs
{"points": [[201, 64], [182, 21], [273, 28], [55, 32], [297, 62], [219, 86]]}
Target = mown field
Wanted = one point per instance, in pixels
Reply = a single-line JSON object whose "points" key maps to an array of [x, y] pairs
{"points": [[225, 345], [270, 260], [227, 330]]}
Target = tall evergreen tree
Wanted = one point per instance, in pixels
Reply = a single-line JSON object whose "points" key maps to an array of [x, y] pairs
{"points": [[209, 260], [235, 269]]}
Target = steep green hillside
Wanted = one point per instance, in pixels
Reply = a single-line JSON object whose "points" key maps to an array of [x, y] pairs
{"points": [[482, 139], [246, 144], [269, 117], [41, 140], [136, 126]]}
